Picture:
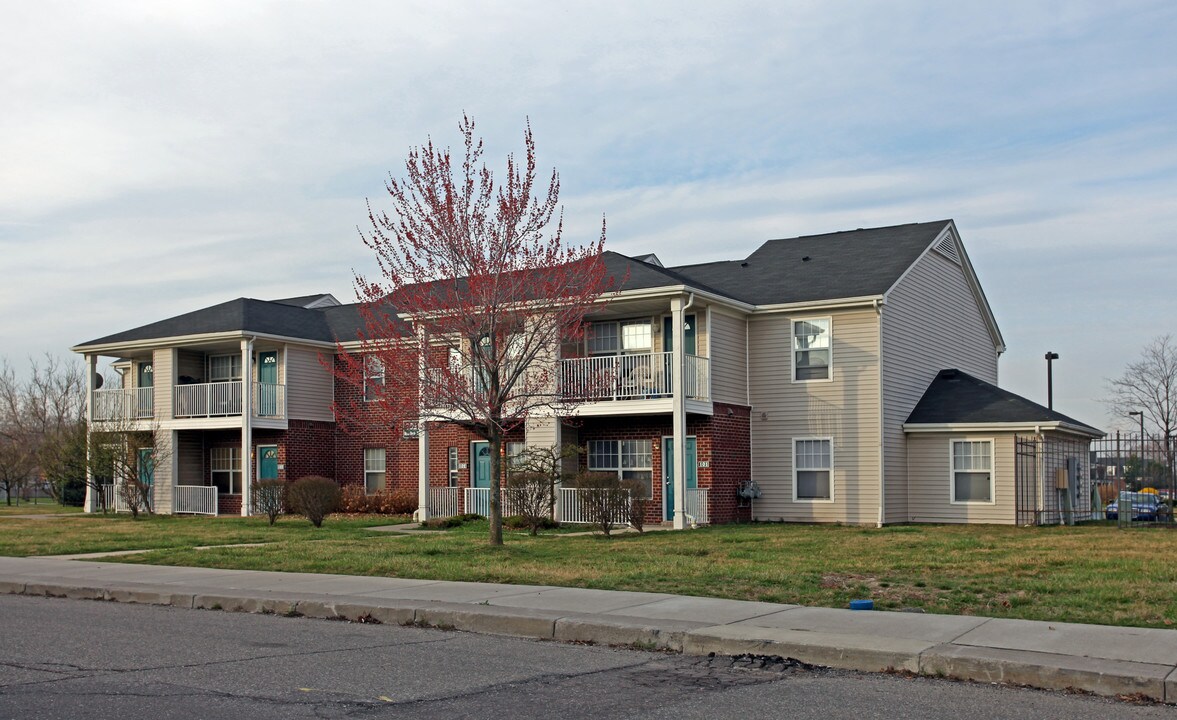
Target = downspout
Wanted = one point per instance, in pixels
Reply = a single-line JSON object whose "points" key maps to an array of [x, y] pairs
{"points": [[882, 426], [247, 470], [1039, 473]]}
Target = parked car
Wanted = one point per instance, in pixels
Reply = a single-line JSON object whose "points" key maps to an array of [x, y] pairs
{"points": [[1145, 506]]}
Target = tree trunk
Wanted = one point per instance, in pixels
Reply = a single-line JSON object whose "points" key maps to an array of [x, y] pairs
{"points": [[496, 473]]}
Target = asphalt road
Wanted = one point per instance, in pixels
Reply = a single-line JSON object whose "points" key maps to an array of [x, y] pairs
{"points": [[82, 659]]}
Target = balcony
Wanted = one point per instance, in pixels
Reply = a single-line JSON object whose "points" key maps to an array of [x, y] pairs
{"points": [[645, 376], [123, 404], [224, 399]]}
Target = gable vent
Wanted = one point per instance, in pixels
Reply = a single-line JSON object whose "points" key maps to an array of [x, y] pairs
{"points": [[947, 248]]}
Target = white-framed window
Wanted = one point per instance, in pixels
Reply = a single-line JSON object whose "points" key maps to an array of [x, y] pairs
{"points": [[813, 469], [225, 467], [627, 337], [224, 368], [513, 452], [374, 476], [812, 353], [373, 377], [453, 467], [971, 463], [630, 459]]}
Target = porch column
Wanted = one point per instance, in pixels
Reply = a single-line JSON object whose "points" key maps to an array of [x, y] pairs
{"points": [[91, 370], [246, 424], [679, 412], [422, 430]]}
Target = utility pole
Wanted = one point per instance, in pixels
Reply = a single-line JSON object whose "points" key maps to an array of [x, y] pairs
{"points": [[1050, 358]]}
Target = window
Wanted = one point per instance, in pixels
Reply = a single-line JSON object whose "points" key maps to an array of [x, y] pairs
{"points": [[514, 453], [812, 469], [224, 368], [373, 470], [453, 467], [811, 349], [625, 338], [225, 464], [972, 471], [373, 377], [630, 459]]}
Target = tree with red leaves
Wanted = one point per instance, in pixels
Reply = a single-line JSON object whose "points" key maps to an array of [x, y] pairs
{"points": [[476, 294]]}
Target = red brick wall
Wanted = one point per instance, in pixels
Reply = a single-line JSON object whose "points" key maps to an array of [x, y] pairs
{"points": [[722, 444], [308, 448]]}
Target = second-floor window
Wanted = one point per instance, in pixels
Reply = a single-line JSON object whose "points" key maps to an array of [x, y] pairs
{"points": [[619, 338], [224, 368], [811, 349], [373, 377]]}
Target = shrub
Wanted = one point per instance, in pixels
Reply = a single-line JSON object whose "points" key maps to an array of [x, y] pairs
{"points": [[603, 500], [530, 495], [639, 499], [268, 497], [519, 522], [353, 499], [314, 497], [395, 502]]}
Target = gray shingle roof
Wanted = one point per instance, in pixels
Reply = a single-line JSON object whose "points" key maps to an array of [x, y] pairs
{"points": [[854, 263], [959, 398]]}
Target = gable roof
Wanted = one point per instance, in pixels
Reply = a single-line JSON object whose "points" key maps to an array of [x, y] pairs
{"points": [[957, 398], [855, 263]]}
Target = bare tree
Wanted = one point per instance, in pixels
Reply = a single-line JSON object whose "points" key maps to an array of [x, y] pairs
{"points": [[1149, 385], [477, 293], [16, 465]]}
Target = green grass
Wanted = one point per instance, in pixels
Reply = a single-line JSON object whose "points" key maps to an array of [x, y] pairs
{"points": [[43, 506], [1092, 574]]}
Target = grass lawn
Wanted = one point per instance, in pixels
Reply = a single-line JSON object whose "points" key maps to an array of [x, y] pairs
{"points": [[42, 507], [1093, 574]]}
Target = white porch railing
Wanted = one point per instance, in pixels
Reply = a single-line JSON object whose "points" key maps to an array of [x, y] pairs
{"points": [[570, 510], [443, 501], [697, 505], [632, 377], [478, 501], [196, 499], [113, 499], [208, 399], [124, 403]]}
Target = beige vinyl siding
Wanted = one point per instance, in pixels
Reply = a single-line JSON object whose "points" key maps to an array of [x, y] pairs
{"points": [[190, 459], [929, 477], [164, 468], [846, 409], [164, 379], [729, 353], [931, 321], [310, 387], [541, 432]]}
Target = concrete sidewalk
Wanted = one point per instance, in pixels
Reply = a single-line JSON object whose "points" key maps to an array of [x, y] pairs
{"points": [[1100, 659]]}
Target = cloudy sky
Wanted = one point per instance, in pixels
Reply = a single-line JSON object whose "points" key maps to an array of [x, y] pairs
{"points": [[157, 157]]}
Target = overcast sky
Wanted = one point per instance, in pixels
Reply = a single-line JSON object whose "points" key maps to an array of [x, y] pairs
{"points": [[158, 157]]}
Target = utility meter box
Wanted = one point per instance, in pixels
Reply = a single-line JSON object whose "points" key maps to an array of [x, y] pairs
{"points": [[1061, 481]]}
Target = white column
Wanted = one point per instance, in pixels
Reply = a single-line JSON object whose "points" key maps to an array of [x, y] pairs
{"points": [[246, 424], [91, 369], [679, 413], [422, 430]]}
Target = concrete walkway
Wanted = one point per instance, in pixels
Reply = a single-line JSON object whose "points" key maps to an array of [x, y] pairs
{"points": [[1138, 662]]}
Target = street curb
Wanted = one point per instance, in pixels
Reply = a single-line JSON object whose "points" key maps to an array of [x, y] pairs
{"points": [[865, 653]]}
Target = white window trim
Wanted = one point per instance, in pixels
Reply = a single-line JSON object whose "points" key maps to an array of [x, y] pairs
{"points": [[369, 378], [992, 471], [382, 471], [793, 459], [235, 378], [235, 469], [793, 348], [653, 327]]}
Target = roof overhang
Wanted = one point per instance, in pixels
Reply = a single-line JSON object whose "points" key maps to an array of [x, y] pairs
{"points": [[124, 348], [983, 427]]}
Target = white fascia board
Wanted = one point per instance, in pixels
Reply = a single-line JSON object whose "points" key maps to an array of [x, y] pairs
{"points": [[182, 340], [1055, 425], [816, 305]]}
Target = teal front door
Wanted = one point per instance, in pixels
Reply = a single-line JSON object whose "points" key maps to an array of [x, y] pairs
{"points": [[267, 462], [480, 475], [668, 472], [147, 474], [267, 384], [144, 398]]}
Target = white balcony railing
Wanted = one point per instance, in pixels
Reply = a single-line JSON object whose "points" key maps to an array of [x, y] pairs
{"points": [[124, 404], [196, 499], [632, 377], [220, 399]]}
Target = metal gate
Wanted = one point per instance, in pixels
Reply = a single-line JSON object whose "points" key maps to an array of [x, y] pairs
{"points": [[1053, 482]]}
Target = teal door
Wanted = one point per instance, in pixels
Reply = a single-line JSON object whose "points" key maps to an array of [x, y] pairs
{"points": [[147, 474], [267, 384], [668, 472], [267, 462], [144, 399], [689, 344], [480, 476]]}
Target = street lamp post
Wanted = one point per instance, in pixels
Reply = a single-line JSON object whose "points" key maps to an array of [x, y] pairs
{"points": [[1050, 358]]}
